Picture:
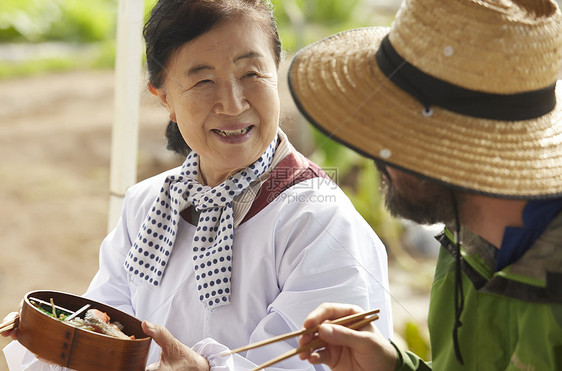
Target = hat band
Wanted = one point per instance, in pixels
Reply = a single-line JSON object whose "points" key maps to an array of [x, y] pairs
{"points": [[431, 91]]}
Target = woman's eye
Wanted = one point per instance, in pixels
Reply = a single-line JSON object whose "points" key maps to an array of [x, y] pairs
{"points": [[251, 74], [202, 83]]}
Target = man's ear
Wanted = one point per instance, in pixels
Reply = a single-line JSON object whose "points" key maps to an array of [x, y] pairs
{"points": [[162, 94]]}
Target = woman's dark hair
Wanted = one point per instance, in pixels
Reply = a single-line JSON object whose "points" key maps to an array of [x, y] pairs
{"points": [[172, 23]]}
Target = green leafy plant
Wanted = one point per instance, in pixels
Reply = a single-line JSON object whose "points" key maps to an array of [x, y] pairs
{"points": [[318, 11], [82, 21], [50, 20]]}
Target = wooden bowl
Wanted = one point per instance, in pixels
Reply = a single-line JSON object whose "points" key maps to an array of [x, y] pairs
{"points": [[68, 346]]}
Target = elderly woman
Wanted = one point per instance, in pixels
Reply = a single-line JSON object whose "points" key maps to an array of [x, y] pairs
{"points": [[243, 240]]}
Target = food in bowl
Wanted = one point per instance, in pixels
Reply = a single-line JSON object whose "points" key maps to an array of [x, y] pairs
{"points": [[94, 320], [67, 345]]}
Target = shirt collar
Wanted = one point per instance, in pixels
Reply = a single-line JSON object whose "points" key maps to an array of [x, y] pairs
{"points": [[537, 215]]}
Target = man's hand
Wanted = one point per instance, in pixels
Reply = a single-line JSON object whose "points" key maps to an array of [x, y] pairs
{"points": [[175, 355], [346, 349]]}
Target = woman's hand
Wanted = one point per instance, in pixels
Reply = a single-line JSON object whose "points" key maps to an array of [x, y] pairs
{"points": [[175, 355], [14, 333], [11, 317], [347, 349]]}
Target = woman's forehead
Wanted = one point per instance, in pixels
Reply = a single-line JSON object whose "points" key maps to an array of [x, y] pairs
{"points": [[230, 43]]}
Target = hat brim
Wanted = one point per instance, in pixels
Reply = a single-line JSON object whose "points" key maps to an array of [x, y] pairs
{"points": [[338, 86]]}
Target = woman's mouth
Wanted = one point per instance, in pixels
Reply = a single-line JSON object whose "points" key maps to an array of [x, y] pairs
{"points": [[231, 133], [234, 136]]}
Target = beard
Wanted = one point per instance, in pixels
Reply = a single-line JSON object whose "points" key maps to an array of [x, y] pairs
{"points": [[418, 199]]}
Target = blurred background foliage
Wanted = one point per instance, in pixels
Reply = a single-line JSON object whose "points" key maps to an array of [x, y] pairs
{"points": [[88, 29], [57, 20], [81, 21], [77, 34], [54, 35]]}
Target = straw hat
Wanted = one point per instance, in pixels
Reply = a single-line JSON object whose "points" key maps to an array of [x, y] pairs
{"points": [[473, 100]]}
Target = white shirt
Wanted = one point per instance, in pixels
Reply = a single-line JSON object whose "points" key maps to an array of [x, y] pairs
{"points": [[306, 247]]}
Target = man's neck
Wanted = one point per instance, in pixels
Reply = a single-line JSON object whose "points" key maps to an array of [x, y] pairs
{"points": [[488, 216]]}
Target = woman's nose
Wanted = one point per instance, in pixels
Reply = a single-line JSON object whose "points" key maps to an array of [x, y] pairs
{"points": [[231, 100]]}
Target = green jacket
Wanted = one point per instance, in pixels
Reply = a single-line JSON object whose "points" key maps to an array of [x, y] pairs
{"points": [[512, 319]]}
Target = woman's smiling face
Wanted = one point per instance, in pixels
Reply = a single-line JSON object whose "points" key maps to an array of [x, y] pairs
{"points": [[221, 89]]}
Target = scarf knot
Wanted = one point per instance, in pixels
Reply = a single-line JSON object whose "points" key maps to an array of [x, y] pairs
{"points": [[213, 238]]}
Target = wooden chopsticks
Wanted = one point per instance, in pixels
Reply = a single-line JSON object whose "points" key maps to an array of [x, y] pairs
{"points": [[354, 321], [49, 304], [77, 313], [9, 325]]}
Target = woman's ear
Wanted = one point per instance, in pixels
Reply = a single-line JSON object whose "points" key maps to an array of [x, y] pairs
{"points": [[164, 98], [152, 89]]}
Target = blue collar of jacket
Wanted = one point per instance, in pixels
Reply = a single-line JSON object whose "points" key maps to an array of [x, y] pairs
{"points": [[535, 277], [537, 215]]}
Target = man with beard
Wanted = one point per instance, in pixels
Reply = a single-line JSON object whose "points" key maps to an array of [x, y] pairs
{"points": [[458, 104], [414, 198]]}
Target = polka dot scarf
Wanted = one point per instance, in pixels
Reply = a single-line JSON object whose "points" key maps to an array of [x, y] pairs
{"points": [[213, 240]]}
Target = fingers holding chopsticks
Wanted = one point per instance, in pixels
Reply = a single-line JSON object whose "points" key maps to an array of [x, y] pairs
{"points": [[356, 347], [9, 325], [325, 312], [330, 311], [346, 316]]}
